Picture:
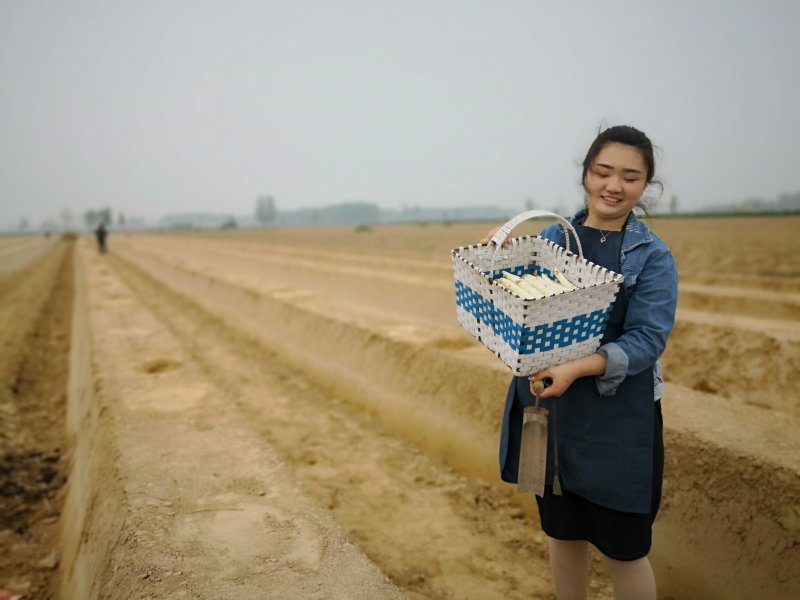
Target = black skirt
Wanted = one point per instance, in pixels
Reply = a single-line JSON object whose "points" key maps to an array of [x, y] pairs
{"points": [[619, 535]]}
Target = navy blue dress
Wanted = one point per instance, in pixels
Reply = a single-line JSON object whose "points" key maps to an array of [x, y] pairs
{"points": [[610, 450]]}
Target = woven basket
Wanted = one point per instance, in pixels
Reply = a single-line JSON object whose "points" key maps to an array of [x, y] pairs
{"points": [[531, 335]]}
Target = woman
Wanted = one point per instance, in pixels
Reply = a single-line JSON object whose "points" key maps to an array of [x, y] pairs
{"points": [[608, 414]]}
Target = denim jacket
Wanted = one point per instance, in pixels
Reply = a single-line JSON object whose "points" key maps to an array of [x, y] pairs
{"points": [[651, 279]]}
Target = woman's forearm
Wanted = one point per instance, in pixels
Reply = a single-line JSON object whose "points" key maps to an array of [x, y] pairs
{"points": [[594, 364], [563, 375]]}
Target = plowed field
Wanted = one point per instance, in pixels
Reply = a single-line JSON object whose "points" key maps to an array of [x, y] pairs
{"points": [[296, 413]]}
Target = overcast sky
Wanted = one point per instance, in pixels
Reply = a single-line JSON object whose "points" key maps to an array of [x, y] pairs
{"points": [[165, 106]]}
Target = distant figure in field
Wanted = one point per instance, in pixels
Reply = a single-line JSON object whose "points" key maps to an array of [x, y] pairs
{"points": [[101, 233]]}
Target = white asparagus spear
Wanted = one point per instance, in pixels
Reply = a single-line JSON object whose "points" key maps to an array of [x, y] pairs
{"points": [[562, 279], [536, 282], [551, 284], [511, 277], [523, 283], [514, 288]]}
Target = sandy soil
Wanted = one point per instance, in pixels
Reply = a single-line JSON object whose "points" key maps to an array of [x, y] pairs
{"points": [[36, 299], [297, 411]]}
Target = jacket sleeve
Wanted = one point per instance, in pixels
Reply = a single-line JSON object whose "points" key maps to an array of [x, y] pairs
{"points": [[648, 322], [554, 233]]}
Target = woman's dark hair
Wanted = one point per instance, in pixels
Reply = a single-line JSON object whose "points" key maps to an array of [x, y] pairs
{"points": [[629, 136]]}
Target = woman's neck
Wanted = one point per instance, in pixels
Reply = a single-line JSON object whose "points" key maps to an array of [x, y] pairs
{"points": [[591, 220]]}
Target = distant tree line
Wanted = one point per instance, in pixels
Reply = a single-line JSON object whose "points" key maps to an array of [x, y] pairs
{"points": [[94, 217], [784, 202], [267, 213], [266, 210], [345, 213], [789, 201]]}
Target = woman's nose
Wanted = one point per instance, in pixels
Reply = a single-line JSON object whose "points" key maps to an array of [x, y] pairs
{"points": [[613, 184]]}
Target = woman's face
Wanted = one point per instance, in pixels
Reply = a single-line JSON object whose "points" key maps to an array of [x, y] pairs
{"points": [[614, 182]]}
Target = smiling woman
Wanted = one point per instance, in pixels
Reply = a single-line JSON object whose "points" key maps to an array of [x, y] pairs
{"points": [[604, 470], [618, 167], [614, 184]]}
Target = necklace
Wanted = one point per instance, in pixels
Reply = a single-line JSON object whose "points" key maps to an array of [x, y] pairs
{"points": [[604, 235]]}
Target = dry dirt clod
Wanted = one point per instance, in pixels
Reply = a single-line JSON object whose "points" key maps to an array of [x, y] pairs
{"points": [[49, 562]]}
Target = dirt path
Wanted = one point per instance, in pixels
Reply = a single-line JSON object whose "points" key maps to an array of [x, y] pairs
{"points": [[172, 494]]}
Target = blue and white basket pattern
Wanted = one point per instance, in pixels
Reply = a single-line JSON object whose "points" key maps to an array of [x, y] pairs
{"points": [[531, 335]]}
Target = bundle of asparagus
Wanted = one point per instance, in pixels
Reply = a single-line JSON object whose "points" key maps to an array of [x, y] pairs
{"points": [[532, 287]]}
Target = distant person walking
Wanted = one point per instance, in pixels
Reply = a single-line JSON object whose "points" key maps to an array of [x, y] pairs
{"points": [[605, 488], [101, 233]]}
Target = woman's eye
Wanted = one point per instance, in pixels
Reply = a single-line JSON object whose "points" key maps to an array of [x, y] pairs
{"points": [[631, 180]]}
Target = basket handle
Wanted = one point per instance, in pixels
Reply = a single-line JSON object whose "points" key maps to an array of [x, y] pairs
{"points": [[504, 231]]}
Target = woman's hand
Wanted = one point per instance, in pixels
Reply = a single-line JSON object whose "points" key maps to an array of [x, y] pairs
{"points": [[561, 377], [565, 374], [488, 237]]}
